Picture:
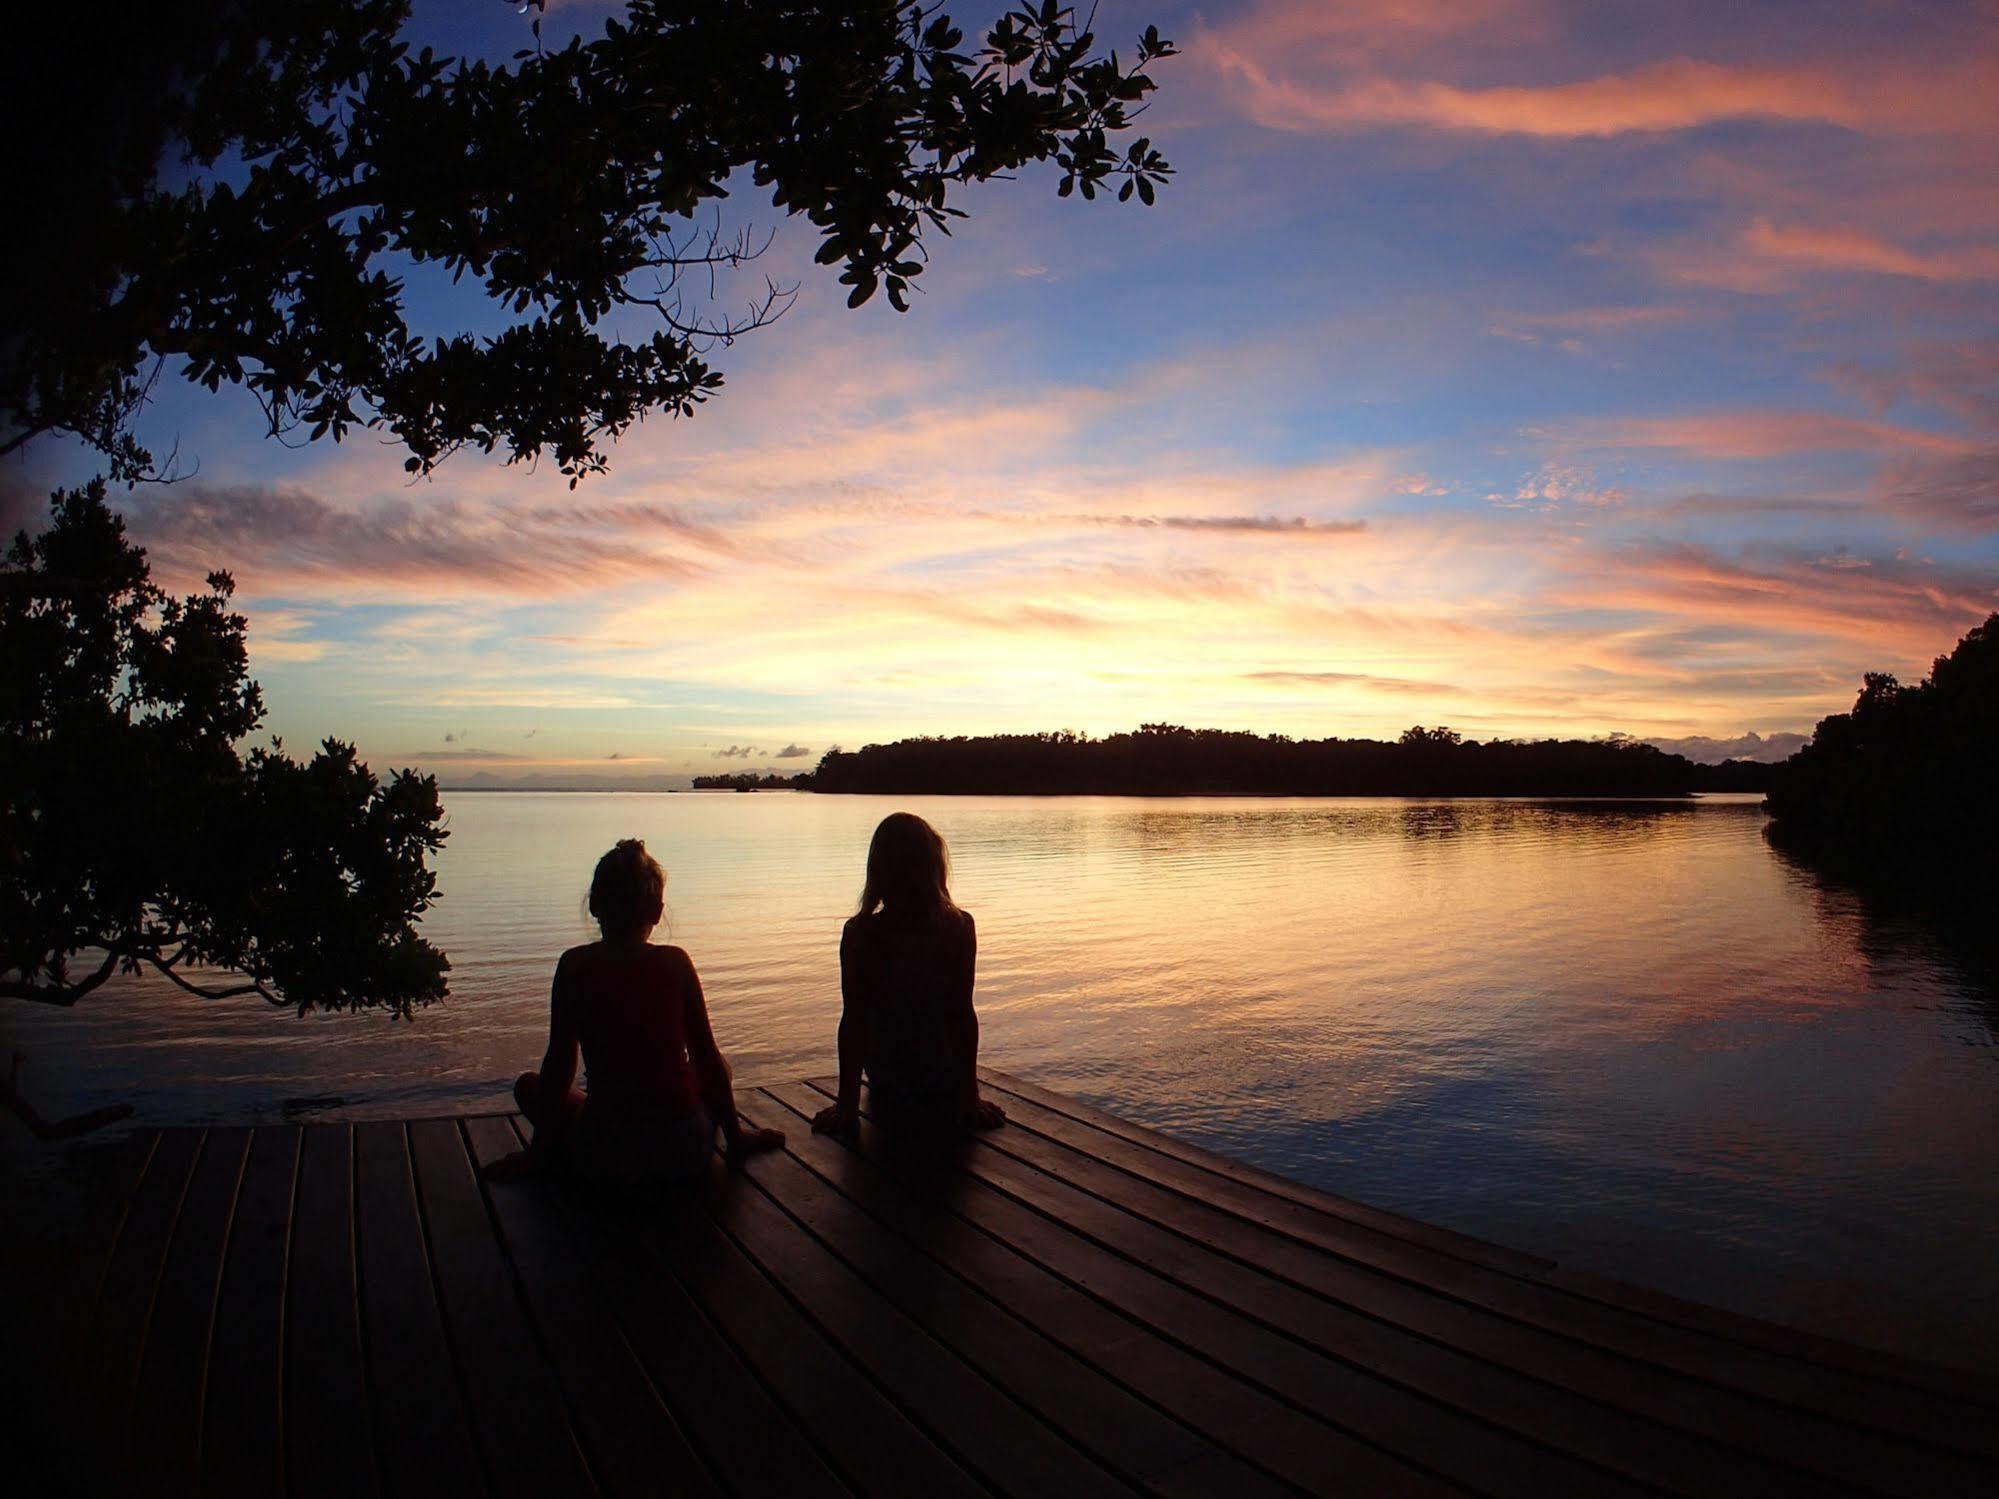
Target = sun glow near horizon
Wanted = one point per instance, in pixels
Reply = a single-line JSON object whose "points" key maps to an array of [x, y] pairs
{"points": [[1479, 366]]}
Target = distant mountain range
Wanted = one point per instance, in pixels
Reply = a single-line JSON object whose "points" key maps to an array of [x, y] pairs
{"points": [[487, 780]]}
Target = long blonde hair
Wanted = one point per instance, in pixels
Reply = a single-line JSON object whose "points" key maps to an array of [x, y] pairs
{"points": [[908, 868]]}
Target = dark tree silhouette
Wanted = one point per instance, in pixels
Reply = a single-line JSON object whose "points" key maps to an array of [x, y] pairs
{"points": [[749, 780], [1905, 780], [1168, 760], [242, 187], [132, 829]]}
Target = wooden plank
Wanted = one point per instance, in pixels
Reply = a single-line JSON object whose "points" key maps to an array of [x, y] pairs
{"points": [[1289, 1446], [1296, 1447], [125, 1305], [242, 1452], [1835, 1394], [59, 1234], [866, 1438], [634, 1444], [1134, 1440], [1777, 1433], [1403, 1419], [422, 1436], [986, 1429], [1746, 1331], [162, 1457], [82, 1261], [745, 1437], [1395, 1225], [1963, 1386], [328, 1446], [1086, 1312], [1568, 1402], [517, 1410]]}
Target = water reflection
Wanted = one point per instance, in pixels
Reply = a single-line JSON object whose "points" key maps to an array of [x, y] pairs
{"points": [[1909, 932], [1624, 1034]]}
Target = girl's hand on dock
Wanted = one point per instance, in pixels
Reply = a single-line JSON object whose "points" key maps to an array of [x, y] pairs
{"points": [[754, 1141], [841, 1123], [983, 1113]]}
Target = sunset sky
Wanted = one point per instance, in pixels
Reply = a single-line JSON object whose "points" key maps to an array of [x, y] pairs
{"points": [[1535, 368]]}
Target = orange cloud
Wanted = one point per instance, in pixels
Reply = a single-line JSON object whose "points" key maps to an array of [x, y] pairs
{"points": [[1853, 250], [1315, 67], [1960, 376], [279, 540], [1900, 606], [1678, 93], [1761, 434]]}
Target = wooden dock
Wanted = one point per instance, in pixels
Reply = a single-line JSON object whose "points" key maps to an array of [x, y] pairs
{"points": [[1072, 1305]]}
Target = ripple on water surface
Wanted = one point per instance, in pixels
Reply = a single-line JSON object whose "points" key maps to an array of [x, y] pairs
{"points": [[1622, 1034]]}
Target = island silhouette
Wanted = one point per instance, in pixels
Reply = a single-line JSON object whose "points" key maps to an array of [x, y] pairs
{"points": [[1168, 760]]}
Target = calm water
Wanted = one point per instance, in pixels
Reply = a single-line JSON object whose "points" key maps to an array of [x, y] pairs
{"points": [[1624, 1035]]}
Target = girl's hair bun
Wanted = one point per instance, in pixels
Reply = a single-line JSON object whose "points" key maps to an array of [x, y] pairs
{"points": [[628, 891]]}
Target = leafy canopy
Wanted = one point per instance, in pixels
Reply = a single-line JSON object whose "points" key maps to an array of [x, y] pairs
{"points": [[1903, 783], [247, 183], [131, 826]]}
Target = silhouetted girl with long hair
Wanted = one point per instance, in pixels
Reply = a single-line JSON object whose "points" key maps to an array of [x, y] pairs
{"points": [[906, 1016], [658, 1086]]}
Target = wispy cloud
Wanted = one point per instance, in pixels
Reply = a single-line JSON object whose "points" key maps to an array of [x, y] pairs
{"points": [[1246, 525], [1900, 605], [1670, 95], [1841, 249], [1353, 679], [1758, 434], [1960, 492], [1299, 65], [289, 540]]}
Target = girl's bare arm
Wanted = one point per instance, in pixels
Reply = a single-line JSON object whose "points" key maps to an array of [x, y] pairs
{"points": [[711, 1070], [842, 1116], [558, 1063], [977, 1112]]}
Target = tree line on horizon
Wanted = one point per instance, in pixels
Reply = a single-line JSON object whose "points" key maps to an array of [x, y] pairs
{"points": [[1159, 759], [1903, 783]]}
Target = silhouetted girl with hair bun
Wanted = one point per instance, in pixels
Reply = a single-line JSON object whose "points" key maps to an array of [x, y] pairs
{"points": [[658, 1086], [906, 1016]]}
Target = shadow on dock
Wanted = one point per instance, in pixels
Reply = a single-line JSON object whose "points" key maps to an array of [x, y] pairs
{"points": [[1072, 1305]]}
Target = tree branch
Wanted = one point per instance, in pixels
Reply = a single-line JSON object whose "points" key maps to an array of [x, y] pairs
{"points": [[60, 995], [56, 1129], [205, 992]]}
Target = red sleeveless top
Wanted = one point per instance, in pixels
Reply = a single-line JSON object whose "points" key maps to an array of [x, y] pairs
{"points": [[627, 1008]]}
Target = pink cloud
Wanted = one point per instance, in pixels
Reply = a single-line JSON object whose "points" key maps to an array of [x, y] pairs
{"points": [[1901, 606], [1671, 94], [278, 540], [1840, 249], [1762, 434], [1960, 377], [1310, 66], [1676, 94], [1960, 493]]}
